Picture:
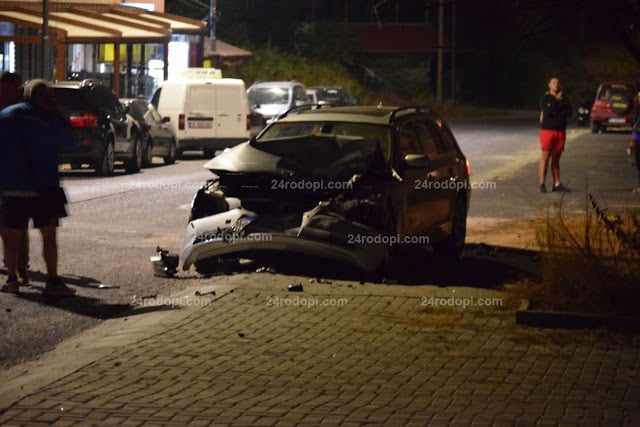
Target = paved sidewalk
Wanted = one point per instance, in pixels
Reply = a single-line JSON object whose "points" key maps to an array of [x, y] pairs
{"points": [[345, 354]]}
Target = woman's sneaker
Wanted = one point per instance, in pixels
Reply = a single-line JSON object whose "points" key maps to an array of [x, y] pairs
{"points": [[12, 286], [55, 287]]}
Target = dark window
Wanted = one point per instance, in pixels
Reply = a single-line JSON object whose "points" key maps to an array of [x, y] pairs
{"points": [[408, 142], [430, 143]]}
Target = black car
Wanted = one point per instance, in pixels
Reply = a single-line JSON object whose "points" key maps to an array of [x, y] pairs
{"points": [[334, 95], [350, 184], [102, 132], [158, 135]]}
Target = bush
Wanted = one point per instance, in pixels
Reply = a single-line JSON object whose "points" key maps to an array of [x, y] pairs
{"points": [[591, 264]]}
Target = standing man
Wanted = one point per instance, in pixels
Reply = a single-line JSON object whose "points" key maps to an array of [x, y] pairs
{"points": [[11, 93], [555, 108], [32, 133]]}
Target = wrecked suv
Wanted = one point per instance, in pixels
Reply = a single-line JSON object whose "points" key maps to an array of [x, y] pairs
{"points": [[346, 184]]}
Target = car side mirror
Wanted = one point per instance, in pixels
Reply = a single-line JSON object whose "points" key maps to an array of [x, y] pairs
{"points": [[417, 161]]}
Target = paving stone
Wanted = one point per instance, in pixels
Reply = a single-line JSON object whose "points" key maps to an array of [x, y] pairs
{"points": [[368, 363]]}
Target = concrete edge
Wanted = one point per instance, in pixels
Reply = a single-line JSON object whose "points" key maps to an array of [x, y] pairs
{"points": [[527, 316]]}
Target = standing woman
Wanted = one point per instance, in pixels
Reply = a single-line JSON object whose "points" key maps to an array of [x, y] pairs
{"points": [[555, 109]]}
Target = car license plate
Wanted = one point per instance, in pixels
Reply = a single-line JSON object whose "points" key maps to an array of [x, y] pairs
{"points": [[617, 120], [201, 124]]}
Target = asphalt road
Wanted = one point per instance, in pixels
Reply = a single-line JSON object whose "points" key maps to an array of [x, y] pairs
{"points": [[115, 224]]}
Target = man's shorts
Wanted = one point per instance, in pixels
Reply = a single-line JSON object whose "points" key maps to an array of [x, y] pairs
{"points": [[16, 211], [552, 140]]}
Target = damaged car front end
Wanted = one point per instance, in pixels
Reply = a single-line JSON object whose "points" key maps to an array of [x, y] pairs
{"points": [[314, 196], [344, 184]]}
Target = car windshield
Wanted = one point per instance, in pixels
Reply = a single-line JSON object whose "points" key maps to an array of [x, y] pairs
{"points": [[609, 91], [291, 130], [268, 95]]}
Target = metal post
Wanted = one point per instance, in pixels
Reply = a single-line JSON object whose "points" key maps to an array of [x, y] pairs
{"points": [[212, 25], [44, 70], [453, 50], [440, 56]]}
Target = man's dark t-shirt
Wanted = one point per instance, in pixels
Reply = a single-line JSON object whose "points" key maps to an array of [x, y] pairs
{"points": [[554, 112]]}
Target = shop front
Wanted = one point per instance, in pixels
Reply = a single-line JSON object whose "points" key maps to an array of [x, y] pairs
{"points": [[128, 48]]}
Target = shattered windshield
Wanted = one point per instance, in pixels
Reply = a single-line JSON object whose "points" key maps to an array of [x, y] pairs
{"points": [[285, 130]]}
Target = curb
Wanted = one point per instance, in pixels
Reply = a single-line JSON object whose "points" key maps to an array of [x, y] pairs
{"points": [[526, 315]]}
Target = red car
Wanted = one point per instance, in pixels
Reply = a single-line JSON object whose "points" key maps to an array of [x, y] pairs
{"points": [[614, 106]]}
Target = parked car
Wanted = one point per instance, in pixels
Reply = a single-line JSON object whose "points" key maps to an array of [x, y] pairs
{"points": [[334, 95], [158, 134], [101, 131], [272, 99], [349, 184], [208, 114], [584, 110], [258, 122], [614, 106], [312, 96]]}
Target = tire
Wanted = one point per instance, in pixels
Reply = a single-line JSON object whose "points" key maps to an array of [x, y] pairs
{"points": [[170, 158], [621, 104], [451, 248], [134, 164], [595, 127], [147, 157], [106, 166]]}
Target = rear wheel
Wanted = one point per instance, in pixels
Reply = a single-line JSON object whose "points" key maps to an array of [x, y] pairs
{"points": [[135, 163], [170, 158], [106, 166], [147, 157]]}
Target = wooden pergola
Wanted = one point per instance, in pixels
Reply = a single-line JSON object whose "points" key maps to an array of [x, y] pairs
{"points": [[73, 23]]}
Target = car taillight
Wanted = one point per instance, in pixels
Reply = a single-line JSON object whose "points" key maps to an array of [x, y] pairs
{"points": [[85, 120], [248, 121], [181, 122], [468, 168]]}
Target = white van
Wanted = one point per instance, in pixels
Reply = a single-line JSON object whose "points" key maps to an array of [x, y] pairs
{"points": [[208, 114]]}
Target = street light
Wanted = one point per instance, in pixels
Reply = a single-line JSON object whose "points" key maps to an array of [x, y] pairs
{"points": [[44, 70]]}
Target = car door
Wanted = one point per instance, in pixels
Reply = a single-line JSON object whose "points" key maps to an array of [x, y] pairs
{"points": [[232, 109], [426, 187], [413, 199], [445, 163], [161, 131], [200, 111], [114, 112]]}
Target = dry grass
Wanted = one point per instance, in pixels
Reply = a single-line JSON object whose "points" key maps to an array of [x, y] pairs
{"points": [[590, 264]]}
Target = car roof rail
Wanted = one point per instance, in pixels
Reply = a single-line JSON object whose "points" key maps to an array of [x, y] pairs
{"points": [[300, 108], [412, 109]]}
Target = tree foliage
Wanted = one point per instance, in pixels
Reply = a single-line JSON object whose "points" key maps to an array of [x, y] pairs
{"points": [[505, 49]]}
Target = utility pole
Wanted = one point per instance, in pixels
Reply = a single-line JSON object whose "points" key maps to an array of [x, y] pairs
{"points": [[44, 69], [440, 55], [212, 25], [453, 50]]}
